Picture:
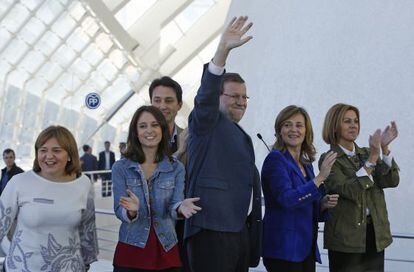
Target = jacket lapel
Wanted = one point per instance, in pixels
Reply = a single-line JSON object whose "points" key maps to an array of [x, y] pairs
{"points": [[294, 165]]}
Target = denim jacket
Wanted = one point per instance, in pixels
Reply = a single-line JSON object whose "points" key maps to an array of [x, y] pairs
{"points": [[166, 195]]}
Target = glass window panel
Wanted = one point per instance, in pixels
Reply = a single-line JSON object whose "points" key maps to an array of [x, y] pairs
{"points": [[33, 60], [64, 55], [63, 26], [132, 73], [32, 30], [169, 35], [4, 67], [4, 5], [48, 43], [77, 10], [78, 40], [107, 70], [31, 4], [117, 58], [92, 55], [15, 18], [103, 42], [15, 50], [126, 112], [192, 13], [37, 85], [51, 112], [90, 26], [50, 71], [49, 10], [98, 81], [131, 12], [18, 77], [4, 36], [56, 92], [82, 68]]}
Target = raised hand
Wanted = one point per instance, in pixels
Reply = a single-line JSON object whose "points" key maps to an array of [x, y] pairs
{"points": [[187, 207], [375, 142], [325, 168], [388, 135], [329, 201], [130, 203], [232, 37]]}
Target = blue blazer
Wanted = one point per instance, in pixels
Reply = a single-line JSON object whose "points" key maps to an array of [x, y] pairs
{"points": [[221, 170], [292, 206]]}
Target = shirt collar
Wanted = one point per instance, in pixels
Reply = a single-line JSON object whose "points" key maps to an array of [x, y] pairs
{"points": [[347, 152], [174, 135]]}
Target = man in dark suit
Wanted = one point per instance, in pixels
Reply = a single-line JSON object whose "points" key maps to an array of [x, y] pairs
{"points": [[89, 162], [11, 168], [106, 160], [166, 94], [226, 234]]}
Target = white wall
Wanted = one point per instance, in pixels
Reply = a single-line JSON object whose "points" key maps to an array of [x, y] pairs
{"points": [[321, 52]]}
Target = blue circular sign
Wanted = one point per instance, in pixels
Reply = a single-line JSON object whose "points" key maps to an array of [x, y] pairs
{"points": [[92, 101]]}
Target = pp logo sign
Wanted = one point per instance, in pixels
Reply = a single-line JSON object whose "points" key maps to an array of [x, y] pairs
{"points": [[92, 101]]}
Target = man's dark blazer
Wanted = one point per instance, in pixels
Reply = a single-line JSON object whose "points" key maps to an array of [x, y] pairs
{"points": [[13, 171], [89, 163], [221, 170], [102, 162]]}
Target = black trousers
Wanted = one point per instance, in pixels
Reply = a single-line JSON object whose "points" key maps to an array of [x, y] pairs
{"points": [[124, 269], [277, 265], [179, 229], [216, 251], [370, 261]]}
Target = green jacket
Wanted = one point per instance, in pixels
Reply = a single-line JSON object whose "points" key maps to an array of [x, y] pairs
{"points": [[346, 229]]}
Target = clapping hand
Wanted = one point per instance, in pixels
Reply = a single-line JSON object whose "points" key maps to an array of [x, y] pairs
{"points": [[130, 203], [187, 207], [374, 143], [325, 167], [387, 136]]}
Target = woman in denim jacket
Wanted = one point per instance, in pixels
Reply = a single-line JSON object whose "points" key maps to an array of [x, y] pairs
{"points": [[148, 189]]}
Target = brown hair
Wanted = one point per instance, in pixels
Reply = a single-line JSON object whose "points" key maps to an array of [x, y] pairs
{"points": [[333, 121], [134, 150], [307, 151], [66, 140]]}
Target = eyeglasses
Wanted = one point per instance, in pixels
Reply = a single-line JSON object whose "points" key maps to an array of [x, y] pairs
{"points": [[237, 97]]}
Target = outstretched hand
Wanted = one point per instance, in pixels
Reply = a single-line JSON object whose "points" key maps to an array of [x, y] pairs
{"points": [[329, 201], [187, 207], [232, 37], [130, 203]]}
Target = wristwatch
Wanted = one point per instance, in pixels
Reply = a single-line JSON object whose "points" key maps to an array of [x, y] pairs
{"points": [[370, 165]]}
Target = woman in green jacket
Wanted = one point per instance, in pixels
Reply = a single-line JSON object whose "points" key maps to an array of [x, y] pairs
{"points": [[358, 231]]}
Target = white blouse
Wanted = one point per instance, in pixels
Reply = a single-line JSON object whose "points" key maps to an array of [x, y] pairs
{"points": [[55, 224]]}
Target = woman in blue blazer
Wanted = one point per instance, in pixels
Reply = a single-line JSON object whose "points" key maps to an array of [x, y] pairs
{"points": [[294, 198]]}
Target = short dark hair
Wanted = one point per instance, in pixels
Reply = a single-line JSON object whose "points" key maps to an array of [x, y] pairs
{"points": [[66, 140], [230, 77], [8, 151], [107, 142], [134, 150], [85, 147], [167, 81]]}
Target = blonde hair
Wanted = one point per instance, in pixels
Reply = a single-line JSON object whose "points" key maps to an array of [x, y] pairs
{"points": [[333, 121]]}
